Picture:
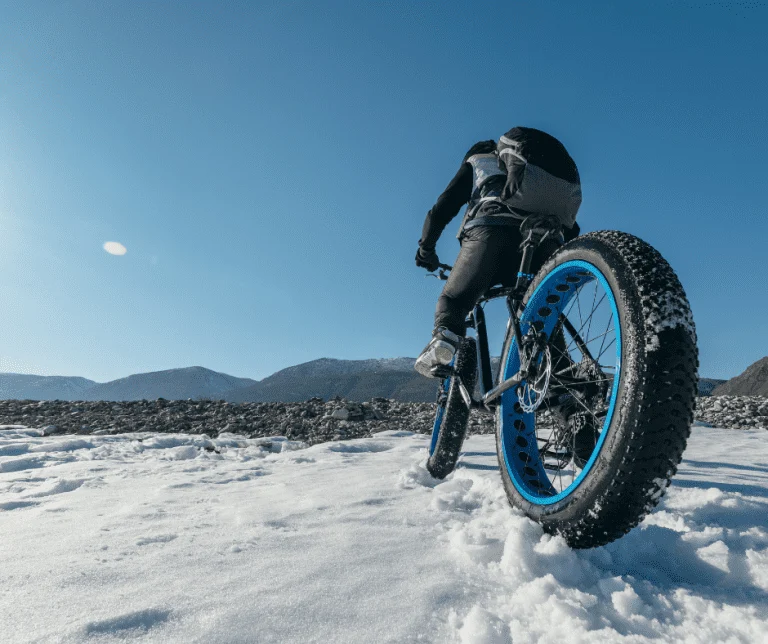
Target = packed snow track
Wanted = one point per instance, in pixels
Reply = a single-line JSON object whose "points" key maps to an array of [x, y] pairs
{"points": [[180, 538]]}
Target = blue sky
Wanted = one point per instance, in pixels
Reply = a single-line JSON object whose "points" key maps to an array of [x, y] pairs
{"points": [[268, 166]]}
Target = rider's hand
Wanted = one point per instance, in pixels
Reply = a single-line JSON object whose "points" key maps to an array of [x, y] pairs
{"points": [[427, 258]]}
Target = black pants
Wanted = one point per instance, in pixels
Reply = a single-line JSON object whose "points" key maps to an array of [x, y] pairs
{"points": [[489, 255]]}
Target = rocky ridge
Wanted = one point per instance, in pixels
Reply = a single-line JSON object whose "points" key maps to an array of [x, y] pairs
{"points": [[312, 421], [752, 382]]}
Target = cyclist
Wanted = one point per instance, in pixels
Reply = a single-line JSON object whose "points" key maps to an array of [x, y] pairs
{"points": [[527, 171]]}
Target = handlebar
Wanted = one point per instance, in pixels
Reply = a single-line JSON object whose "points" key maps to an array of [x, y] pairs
{"points": [[441, 274]]}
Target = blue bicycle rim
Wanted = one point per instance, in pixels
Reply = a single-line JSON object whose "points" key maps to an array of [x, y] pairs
{"points": [[519, 443], [439, 418]]}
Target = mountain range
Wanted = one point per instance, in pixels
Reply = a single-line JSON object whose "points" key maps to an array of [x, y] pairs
{"points": [[351, 379], [325, 378], [20, 386], [189, 382]]}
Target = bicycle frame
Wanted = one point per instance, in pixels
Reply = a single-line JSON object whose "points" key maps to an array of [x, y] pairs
{"points": [[476, 320], [538, 229]]}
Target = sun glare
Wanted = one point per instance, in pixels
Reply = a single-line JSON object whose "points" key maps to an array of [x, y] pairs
{"points": [[115, 248]]}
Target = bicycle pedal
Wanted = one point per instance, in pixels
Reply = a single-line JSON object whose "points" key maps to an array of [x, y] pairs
{"points": [[442, 371]]}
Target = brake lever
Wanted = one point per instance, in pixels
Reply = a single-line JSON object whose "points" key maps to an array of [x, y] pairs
{"points": [[442, 274]]}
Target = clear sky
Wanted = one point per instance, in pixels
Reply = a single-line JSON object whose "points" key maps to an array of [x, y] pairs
{"points": [[268, 165]]}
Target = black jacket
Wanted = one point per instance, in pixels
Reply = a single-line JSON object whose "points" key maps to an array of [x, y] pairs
{"points": [[456, 195]]}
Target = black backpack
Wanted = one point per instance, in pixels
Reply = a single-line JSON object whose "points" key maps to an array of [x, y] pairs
{"points": [[542, 178]]}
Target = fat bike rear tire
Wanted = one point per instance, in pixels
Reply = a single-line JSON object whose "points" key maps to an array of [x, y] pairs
{"points": [[642, 430], [452, 417]]}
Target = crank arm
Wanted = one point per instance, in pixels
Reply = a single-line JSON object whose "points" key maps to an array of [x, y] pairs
{"points": [[499, 389]]}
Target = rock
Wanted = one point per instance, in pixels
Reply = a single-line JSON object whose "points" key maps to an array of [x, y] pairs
{"points": [[313, 421]]}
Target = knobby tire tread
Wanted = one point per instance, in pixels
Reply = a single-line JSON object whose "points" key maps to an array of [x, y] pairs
{"points": [[655, 405]]}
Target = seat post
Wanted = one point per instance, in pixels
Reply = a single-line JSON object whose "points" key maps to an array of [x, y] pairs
{"points": [[524, 275], [483, 352]]}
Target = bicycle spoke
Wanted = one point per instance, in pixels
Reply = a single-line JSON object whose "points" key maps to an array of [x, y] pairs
{"points": [[578, 304], [600, 350], [552, 432], [608, 346], [581, 328], [595, 361], [597, 337], [576, 364], [576, 398], [563, 372], [570, 307], [594, 297], [567, 356], [587, 382]]}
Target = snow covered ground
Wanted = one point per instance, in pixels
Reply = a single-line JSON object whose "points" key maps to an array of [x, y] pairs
{"points": [[177, 538]]}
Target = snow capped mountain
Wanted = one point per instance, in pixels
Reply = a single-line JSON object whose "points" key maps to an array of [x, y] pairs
{"points": [[20, 386]]}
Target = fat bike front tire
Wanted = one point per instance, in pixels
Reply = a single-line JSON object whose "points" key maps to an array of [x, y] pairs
{"points": [[452, 417], [641, 421]]}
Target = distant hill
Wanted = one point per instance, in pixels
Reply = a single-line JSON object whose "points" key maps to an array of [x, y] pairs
{"points": [[332, 367], [20, 386], [351, 379], [753, 382], [173, 384], [178, 384]]}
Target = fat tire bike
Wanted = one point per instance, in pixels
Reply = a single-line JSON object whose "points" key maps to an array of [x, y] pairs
{"points": [[595, 390]]}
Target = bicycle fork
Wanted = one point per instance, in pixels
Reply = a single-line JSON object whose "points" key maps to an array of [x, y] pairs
{"points": [[447, 371]]}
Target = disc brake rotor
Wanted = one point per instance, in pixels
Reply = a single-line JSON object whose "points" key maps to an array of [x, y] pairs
{"points": [[532, 391]]}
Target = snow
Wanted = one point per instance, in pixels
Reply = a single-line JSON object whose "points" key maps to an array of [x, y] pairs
{"points": [[179, 538], [668, 310]]}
